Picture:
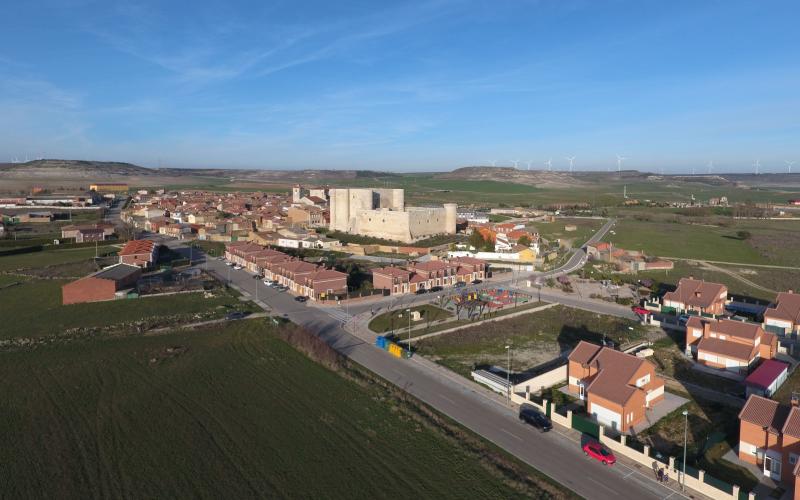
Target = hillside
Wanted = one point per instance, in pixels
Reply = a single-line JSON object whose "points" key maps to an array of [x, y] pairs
{"points": [[70, 169]]}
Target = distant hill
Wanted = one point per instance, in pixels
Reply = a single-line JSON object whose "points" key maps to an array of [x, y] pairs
{"points": [[71, 169]]}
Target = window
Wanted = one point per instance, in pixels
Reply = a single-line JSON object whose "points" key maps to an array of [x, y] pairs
{"points": [[792, 458], [722, 337], [697, 333]]}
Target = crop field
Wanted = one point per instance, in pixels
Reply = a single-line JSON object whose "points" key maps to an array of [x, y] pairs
{"points": [[51, 257], [536, 338], [212, 413], [37, 309], [771, 242]]}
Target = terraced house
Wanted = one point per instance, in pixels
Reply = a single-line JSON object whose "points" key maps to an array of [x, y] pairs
{"points": [[302, 278], [728, 345], [697, 296], [618, 388], [426, 275]]}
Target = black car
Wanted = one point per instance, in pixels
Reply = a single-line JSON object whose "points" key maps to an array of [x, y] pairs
{"points": [[235, 315], [436, 289], [460, 284], [301, 298], [477, 282], [420, 291], [536, 419]]}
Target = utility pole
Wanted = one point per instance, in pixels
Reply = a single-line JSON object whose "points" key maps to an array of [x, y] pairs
{"points": [[409, 329]]}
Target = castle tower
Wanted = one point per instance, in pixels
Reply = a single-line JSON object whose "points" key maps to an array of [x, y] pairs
{"points": [[297, 193], [450, 217]]}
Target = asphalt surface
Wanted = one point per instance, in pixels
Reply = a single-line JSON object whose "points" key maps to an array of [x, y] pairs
{"points": [[553, 453]]}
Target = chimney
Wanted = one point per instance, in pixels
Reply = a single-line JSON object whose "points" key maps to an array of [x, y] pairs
{"points": [[706, 328]]}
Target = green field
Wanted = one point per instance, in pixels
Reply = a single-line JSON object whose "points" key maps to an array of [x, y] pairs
{"points": [[398, 320], [52, 256], [36, 310], [772, 242], [548, 331], [552, 231], [227, 413]]}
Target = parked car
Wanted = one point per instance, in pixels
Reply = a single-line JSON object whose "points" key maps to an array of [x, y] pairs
{"points": [[640, 310], [235, 315], [683, 318], [477, 282], [301, 298], [436, 289], [599, 452], [255, 277], [268, 282], [229, 264], [420, 291], [460, 284], [237, 267], [535, 418]]}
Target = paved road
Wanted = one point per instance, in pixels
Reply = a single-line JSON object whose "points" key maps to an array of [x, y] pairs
{"points": [[553, 453]]}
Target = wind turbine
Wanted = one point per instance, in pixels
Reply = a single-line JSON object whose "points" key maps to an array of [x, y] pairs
{"points": [[549, 164], [757, 164], [570, 159], [529, 164], [789, 164], [515, 162], [493, 162], [710, 166], [619, 162]]}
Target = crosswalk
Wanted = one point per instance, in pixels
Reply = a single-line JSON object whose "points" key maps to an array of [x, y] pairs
{"points": [[338, 314]]}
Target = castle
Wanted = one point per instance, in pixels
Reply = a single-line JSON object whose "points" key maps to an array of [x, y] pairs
{"points": [[381, 213]]}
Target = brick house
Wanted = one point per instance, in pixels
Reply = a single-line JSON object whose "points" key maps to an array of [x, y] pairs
{"points": [[769, 437], [142, 253], [784, 317], [426, 275], [72, 231], [102, 285], [697, 296], [90, 234], [729, 345], [618, 388]]}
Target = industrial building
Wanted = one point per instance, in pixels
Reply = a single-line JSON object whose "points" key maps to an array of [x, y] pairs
{"points": [[102, 285]]}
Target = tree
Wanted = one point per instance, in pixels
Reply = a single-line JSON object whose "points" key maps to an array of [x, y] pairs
{"points": [[743, 235], [476, 240], [524, 240]]}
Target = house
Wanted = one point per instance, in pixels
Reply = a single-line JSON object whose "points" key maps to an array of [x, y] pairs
{"points": [[392, 279], [141, 253], [769, 437], [305, 216], [767, 378], [697, 296], [90, 234], [618, 388], [102, 285], [730, 345], [109, 187], [784, 317], [71, 231]]}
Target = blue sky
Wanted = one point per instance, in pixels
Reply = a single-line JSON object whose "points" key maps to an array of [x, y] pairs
{"points": [[403, 85]]}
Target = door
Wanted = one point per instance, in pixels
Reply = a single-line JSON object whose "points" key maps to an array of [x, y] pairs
{"points": [[581, 391], [772, 467]]}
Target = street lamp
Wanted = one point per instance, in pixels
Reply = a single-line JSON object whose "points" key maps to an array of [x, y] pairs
{"points": [[685, 432], [508, 375], [408, 311]]}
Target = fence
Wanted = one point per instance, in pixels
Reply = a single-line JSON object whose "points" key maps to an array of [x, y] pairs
{"points": [[694, 479]]}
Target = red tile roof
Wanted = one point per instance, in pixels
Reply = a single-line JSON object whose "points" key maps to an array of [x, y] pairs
{"points": [[732, 350], [696, 292], [764, 413], [135, 247], [792, 425], [787, 307]]}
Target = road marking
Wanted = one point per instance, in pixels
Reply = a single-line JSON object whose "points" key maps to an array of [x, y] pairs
{"points": [[615, 492], [512, 435], [447, 399]]}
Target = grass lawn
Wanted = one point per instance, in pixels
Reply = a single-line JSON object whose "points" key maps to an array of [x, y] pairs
{"points": [[555, 230], [37, 309], [772, 242], [398, 320], [536, 337], [52, 257], [708, 423], [792, 384], [229, 412]]}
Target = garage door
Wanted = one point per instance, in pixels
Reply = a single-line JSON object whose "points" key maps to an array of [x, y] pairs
{"points": [[606, 417]]}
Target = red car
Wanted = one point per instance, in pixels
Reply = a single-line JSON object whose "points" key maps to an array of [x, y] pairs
{"points": [[640, 310], [599, 452]]}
